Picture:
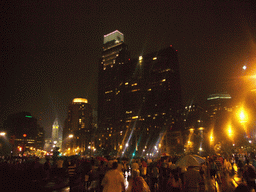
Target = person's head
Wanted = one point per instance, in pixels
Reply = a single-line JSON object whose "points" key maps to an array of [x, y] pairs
{"points": [[175, 174], [72, 162], [135, 173], [114, 165], [92, 162]]}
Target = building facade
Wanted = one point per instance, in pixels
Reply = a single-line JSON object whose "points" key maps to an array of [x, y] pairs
{"points": [[26, 136], [55, 130], [139, 99], [77, 132]]}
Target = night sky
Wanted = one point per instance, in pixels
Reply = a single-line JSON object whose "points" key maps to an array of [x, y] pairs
{"points": [[50, 50]]}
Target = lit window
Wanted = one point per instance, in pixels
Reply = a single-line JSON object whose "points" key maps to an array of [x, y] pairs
{"points": [[126, 83], [155, 58], [163, 80], [106, 92], [135, 117], [134, 84], [149, 89], [140, 58]]}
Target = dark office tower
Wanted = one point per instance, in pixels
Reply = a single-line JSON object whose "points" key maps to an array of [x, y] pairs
{"points": [[24, 132], [77, 133], [152, 98], [111, 82], [138, 99]]}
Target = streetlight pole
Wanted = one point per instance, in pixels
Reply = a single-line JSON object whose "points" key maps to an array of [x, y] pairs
{"points": [[24, 143]]}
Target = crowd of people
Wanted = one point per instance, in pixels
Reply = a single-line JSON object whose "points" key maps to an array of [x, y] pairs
{"points": [[143, 175]]}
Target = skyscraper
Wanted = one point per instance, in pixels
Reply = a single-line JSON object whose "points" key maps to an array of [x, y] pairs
{"points": [[78, 127], [138, 98], [111, 77]]}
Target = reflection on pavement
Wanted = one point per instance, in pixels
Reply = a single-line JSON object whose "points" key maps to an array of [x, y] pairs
{"points": [[76, 188]]}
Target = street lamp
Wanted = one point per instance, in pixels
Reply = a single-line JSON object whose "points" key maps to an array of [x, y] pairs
{"points": [[230, 132], [2, 133], [71, 136], [243, 118]]}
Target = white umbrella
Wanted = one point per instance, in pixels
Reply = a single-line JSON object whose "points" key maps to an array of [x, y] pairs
{"points": [[199, 159], [189, 160]]}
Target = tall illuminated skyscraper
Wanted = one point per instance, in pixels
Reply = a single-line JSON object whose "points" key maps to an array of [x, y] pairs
{"points": [[111, 78]]}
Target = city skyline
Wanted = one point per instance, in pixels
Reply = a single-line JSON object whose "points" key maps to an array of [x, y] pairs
{"points": [[51, 52]]}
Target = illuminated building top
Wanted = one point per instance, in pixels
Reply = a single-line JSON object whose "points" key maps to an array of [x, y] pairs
{"points": [[80, 100], [219, 96], [115, 35]]}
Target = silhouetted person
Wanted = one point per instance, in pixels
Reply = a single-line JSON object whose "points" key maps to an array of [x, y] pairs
{"points": [[72, 174]]}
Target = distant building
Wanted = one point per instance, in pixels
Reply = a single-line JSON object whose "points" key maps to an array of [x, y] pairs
{"points": [[218, 102], [139, 99], [194, 116], [219, 108], [55, 130], [26, 136], [77, 132], [56, 139]]}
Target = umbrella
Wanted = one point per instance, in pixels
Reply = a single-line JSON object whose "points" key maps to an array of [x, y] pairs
{"points": [[199, 158], [102, 159], [189, 160]]}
